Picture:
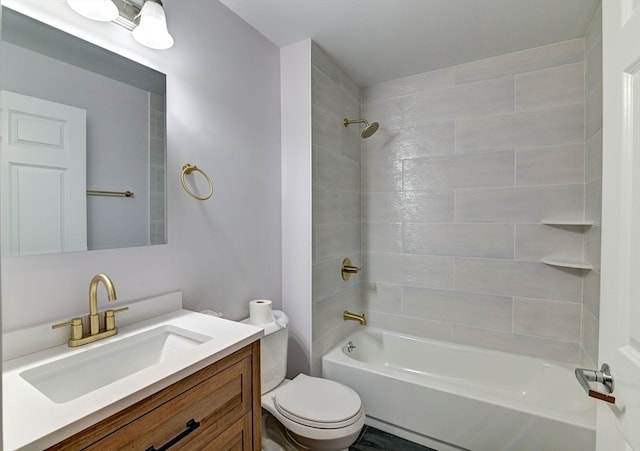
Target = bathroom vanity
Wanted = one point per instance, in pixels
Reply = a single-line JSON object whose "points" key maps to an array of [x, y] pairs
{"points": [[218, 407], [169, 378]]}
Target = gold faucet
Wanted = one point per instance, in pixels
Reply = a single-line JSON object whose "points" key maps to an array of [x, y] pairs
{"points": [[94, 318], [355, 317], [78, 338]]}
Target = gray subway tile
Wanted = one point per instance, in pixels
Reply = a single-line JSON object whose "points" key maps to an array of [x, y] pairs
{"points": [[538, 128], [548, 319], [557, 165], [518, 344], [476, 99], [335, 241], [594, 31], [324, 63], [419, 206], [428, 206], [382, 176], [325, 93], [416, 270], [435, 330], [389, 113], [382, 297], [459, 171], [382, 237], [592, 245], [593, 201], [516, 278], [593, 149], [536, 241], [593, 73], [410, 142], [327, 313], [382, 207], [467, 240], [590, 334], [593, 114], [336, 171], [326, 279], [519, 205], [591, 292], [330, 205], [349, 87], [427, 81], [565, 52], [325, 130], [485, 311], [560, 85]]}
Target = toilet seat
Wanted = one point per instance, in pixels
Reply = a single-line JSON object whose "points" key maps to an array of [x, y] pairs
{"points": [[318, 403]]}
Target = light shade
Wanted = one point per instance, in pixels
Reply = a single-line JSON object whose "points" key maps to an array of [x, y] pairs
{"points": [[100, 10], [152, 31]]}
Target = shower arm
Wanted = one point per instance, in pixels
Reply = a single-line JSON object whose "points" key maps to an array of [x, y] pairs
{"points": [[347, 122]]}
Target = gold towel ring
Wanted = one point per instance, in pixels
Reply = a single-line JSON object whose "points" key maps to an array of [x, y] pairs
{"points": [[188, 169]]}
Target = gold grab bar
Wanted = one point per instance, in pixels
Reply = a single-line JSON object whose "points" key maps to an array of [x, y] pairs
{"points": [[188, 169], [98, 192]]}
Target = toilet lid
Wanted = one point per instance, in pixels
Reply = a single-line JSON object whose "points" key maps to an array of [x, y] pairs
{"points": [[318, 402]]}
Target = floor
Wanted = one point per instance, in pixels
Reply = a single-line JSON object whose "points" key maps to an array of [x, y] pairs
{"points": [[375, 439]]}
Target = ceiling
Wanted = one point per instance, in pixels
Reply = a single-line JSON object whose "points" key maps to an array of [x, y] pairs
{"points": [[379, 40]]}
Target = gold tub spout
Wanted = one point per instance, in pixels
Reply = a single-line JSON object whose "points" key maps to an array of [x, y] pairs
{"points": [[355, 317]]}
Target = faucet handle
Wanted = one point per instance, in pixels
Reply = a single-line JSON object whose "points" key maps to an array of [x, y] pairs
{"points": [[109, 317], [76, 327]]}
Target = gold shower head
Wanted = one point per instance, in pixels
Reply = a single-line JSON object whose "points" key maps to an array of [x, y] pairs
{"points": [[368, 130]]}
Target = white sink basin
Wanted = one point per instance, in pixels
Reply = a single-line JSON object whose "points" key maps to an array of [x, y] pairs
{"points": [[68, 378]]}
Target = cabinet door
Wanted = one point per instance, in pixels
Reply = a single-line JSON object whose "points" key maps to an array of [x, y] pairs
{"points": [[213, 405]]}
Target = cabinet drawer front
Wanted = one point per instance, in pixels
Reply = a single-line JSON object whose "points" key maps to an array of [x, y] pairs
{"points": [[237, 437], [215, 403]]}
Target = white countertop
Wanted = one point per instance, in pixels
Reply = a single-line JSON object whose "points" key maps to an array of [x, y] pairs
{"points": [[31, 421]]}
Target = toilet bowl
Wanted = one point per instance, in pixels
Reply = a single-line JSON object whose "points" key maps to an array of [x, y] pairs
{"points": [[316, 413]]}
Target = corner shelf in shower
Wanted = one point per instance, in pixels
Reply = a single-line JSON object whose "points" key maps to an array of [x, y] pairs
{"points": [[578, 222], [567, 263], [562, 263]]}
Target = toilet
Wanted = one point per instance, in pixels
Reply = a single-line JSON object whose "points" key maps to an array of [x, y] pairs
{"points": [[315, 413]]}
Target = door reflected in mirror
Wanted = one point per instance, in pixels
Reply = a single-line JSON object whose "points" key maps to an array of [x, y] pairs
{"points": [[83, 157]]}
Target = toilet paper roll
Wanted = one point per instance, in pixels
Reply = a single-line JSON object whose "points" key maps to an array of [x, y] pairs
{"points": [[260, 311]]}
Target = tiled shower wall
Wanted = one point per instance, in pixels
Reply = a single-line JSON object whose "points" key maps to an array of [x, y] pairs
{"points": [[468, 162], [593, 186], [336, 202]]}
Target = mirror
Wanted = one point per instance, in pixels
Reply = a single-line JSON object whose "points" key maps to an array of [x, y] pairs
{"points": [[81, 126]]}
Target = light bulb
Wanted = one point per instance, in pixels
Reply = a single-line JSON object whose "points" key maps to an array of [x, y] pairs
{"points": [[152, 31]]}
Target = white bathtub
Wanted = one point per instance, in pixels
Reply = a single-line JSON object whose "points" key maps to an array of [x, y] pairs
{"points": [[452, 397]]}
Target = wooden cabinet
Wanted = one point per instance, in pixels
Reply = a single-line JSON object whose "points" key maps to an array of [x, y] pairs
{"points": [[216, 408]]}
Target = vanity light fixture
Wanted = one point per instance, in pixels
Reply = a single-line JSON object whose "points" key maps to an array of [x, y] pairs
{"points": [[145, 18], [152, 30], [100, 10]]}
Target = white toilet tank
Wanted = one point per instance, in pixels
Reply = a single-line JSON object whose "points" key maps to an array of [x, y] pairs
{"points": [[273, 350]]}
